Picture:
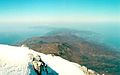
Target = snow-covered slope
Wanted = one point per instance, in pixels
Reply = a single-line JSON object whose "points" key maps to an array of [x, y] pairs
{"points": [[14, 61]]}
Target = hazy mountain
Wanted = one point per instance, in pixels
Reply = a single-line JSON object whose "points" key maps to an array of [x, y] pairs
{"points": [[79, 47]]}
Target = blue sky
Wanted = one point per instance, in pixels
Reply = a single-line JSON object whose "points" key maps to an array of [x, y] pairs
{"points": [[57, 11]]}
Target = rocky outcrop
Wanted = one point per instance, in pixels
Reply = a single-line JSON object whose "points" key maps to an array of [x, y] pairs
{"points": [[88, 71]]}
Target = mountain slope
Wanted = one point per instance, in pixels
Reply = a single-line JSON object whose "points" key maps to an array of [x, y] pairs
{"points": [[72, 47]]}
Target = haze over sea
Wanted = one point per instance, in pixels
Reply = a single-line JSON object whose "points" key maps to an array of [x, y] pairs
{"points": [[12, 34]]}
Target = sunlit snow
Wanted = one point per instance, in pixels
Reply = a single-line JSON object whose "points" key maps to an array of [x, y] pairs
{"points": [[14, 61]]}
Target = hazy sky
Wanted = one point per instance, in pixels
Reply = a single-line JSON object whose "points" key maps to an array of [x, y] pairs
{"points": [[59, 11]]}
